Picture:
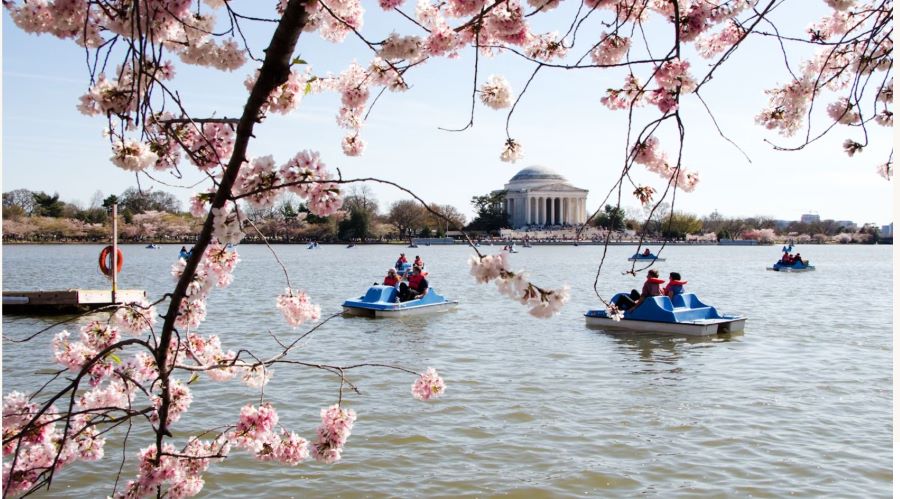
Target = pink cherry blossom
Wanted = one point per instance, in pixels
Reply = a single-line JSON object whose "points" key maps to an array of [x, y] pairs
{"points": [[297, 308], [611, 50], [333, 433], [132, 155], [429, 385], [512, 151], [136, 318]]}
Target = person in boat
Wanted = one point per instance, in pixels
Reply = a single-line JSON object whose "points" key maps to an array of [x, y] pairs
{"points": [[646, 252], [786, 258], [184, 253], [652, 287], [416, 288], [418, 263], [675, 285], [400, 261], [797, 259], [391, 279]]}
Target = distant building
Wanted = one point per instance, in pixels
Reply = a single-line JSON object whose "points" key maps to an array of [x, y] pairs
{"points": [[847, 224], [539, 196], [887, 230], [809, 218]]}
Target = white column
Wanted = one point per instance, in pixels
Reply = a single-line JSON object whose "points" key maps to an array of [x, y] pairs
{"points": [[542, 210], [527, 210], [553, 211]]}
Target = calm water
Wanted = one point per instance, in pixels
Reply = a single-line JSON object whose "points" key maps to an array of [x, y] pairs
{"points": [[800, 404]]}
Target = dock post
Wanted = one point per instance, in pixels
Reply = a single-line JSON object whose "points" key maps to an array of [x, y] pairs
{"points": [[115, 245]]}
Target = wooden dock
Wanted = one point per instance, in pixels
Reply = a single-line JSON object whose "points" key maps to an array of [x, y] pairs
{"points": [[65, 301]]}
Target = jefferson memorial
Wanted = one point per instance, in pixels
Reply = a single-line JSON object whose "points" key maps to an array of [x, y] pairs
{"points": [[539, 196]]}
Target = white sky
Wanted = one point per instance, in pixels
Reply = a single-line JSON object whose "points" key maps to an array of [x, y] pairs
{"points": [[48, 145]]}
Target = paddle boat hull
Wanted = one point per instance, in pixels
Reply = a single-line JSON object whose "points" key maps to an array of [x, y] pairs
{"points": [[682, 315], [796, 267], [642, 258], [380, 301]]}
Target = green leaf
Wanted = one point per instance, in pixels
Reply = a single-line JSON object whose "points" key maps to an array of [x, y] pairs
{"points": [[115, 358], [194, 377], [308, 89], [298, 60]]}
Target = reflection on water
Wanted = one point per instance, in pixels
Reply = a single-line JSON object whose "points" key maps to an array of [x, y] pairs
{"points": [[799, 404]]}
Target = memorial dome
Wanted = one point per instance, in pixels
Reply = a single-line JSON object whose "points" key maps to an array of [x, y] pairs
{"points": [[536, 172]]}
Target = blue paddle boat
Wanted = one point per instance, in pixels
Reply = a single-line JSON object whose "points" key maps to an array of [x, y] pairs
{"points": [[800, 266], [641, 257], [403, 268], [382, 301], [683, 314]]}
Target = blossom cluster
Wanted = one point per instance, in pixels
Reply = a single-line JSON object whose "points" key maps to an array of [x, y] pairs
{"points": [[35, 437], [428, 385], [304, 174], [611, 49], [256, 433], [297, 308], [215, 269], [180, 471], [542, 303], [496, 93], [839, 65], [332, 434], [647, 153]]}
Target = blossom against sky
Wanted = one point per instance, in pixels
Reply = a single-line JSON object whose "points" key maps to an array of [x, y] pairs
{"points": [[48, 145]]}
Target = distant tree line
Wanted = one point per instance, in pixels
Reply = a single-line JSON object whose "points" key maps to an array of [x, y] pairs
{"points": [[156, 216]]}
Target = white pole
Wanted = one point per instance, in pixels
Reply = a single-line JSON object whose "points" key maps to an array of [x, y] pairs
{"points": [[115, 245]]}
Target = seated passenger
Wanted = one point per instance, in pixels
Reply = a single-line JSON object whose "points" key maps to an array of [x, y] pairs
{"points": [[675, 285], [419, 263], [786, 258], [797, 258], [652, 287], [417, 287], [400, 261], [391, 279], [646, 252]]}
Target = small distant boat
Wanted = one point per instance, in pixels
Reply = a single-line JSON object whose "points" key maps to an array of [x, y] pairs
{"points": [[403, 268], [380, 301], [351, 245], [413, 245], [683, 314], [640, 257], [184, 255], [152, 246], [801, 266], [312, 245], [526, 244]]}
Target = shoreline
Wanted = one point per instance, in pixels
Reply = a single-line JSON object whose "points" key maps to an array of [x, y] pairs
{"points": [[496, 242]]}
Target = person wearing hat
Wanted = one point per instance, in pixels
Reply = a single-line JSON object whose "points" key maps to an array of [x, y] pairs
{"points": [[391, 279]]}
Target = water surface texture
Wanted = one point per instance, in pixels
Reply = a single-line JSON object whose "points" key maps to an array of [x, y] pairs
{"points": [[800, 404]]}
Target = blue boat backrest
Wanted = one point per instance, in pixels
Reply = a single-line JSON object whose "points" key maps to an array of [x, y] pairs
{"points": [[689, 300], [380, 293], [684, 307]]}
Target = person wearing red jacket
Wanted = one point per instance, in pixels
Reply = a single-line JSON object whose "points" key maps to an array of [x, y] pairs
{"points": [[391, 279], [652, 287], [416, 288]]}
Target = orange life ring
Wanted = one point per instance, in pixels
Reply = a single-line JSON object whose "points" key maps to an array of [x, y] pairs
{"points": [[106, 261]]}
